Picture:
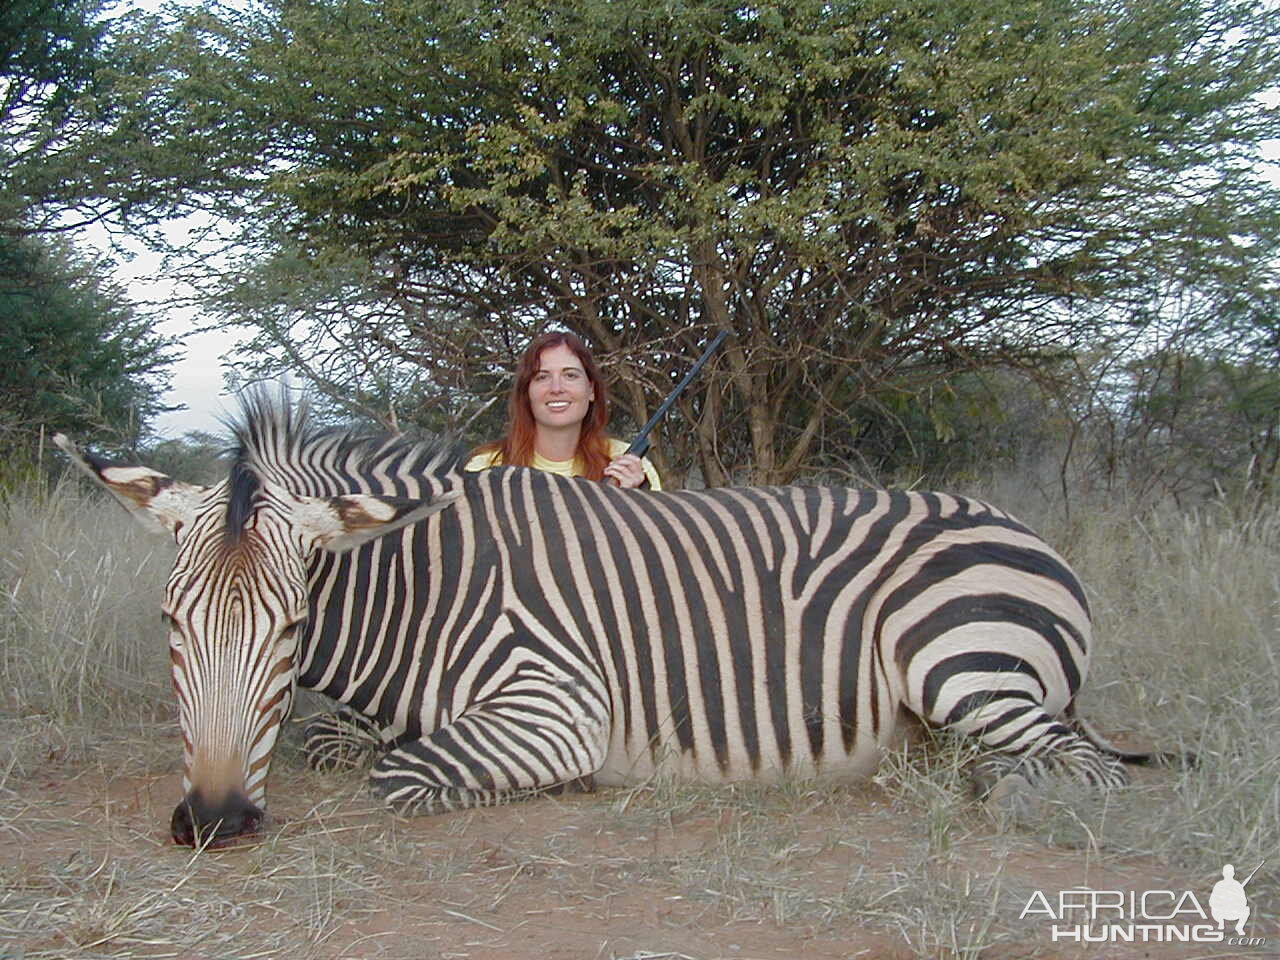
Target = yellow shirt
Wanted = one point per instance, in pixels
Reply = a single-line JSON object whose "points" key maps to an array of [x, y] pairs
{"points": [[565, 468]]}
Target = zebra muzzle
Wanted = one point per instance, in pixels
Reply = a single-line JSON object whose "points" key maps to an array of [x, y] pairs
{"points": [[199, 823]]}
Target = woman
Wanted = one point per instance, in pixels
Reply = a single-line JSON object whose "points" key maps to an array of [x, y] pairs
{"points": [[556, 418]]}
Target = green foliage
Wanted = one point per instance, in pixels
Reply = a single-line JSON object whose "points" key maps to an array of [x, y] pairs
{"points": [[973, 423], [82, 138], [1201, 425], [47, 56], [74, 354], [196, 457], [50, 56], [872, 196]]}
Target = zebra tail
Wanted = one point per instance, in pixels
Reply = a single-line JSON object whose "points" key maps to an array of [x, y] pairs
{"points": [[1150, 759]]}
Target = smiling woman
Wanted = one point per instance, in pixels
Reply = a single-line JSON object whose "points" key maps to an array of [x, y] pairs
{"points": [[556, 417]]}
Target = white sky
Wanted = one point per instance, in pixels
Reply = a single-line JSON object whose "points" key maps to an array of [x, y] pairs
{"points": [[197, 375]]}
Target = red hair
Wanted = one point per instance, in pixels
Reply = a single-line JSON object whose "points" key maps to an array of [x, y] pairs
{"points": [[516, 447]]}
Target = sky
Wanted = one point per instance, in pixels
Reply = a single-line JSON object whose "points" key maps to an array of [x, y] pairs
{"points": [[197, 376]]}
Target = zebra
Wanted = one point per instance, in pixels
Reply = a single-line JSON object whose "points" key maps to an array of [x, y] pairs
{"points": [[502, 633]]}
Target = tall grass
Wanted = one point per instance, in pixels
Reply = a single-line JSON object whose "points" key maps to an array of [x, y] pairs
{"points": [[81, 644], [1186, 605], [1190, 653]]}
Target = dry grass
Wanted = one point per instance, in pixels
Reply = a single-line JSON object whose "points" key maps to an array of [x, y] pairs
{"points": [[1188, 610], [1187, 626], [80, 634]]}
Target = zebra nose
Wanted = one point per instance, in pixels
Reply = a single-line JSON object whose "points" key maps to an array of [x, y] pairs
{"points": [[197, 821]]}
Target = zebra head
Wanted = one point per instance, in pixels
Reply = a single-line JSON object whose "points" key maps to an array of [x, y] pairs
{"points": [[233, 605]]}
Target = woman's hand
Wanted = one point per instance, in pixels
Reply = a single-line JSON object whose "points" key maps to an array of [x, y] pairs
{"points": [[626, 471]]}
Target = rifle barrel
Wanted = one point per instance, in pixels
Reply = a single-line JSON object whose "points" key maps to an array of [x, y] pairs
{"points": [[640, 445]]}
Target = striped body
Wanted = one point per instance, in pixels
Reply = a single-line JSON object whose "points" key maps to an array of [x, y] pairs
{"points": [[498, 633], [718, 635]]}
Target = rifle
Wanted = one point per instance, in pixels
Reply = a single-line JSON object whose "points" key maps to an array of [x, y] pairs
{"points": [[640, 445], [1250, 876]]}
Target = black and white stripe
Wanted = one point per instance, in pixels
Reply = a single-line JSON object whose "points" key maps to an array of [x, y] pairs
{"points": [[542, 629], [503, 632]]}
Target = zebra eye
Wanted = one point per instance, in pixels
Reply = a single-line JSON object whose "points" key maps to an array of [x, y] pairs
{"points": [[175, 634]]}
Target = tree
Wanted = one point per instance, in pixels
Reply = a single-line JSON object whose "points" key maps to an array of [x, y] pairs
{"points": [[872, 196], [50, 55], [196, 457], [74, 354], [326, 318]]}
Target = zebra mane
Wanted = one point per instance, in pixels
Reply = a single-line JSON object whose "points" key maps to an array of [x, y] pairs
{"points": [[278, 441]]}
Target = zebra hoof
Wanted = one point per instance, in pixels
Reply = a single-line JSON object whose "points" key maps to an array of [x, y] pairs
{"points": [[398, 797], [1013, 801], [342, 741], [585, 784]]}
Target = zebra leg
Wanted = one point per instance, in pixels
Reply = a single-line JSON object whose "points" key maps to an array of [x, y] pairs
{"points": [[1029, 744], [507, 748], [342, 740]]}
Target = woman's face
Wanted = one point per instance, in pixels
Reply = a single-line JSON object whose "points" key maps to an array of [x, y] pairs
{"points": [[560, 391]]}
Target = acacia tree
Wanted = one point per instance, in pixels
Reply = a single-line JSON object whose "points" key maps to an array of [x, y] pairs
{"points": [[871, 196], [49, 51]]}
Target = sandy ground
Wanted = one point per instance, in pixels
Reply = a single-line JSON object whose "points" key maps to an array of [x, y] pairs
{"points": [[748, 874]]}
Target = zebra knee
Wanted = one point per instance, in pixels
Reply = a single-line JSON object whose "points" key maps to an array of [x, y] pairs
{"points": [[404, 789], [340, 741], [415, 779], [411, 797], [408, 798], [418, 778]]}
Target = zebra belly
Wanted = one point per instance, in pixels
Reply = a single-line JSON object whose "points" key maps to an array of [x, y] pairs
{"points": [[624, 766], [624, 771]]}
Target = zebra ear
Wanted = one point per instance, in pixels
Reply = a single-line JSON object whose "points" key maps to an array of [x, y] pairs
{"points": [[338, 524], [160, 503]]}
